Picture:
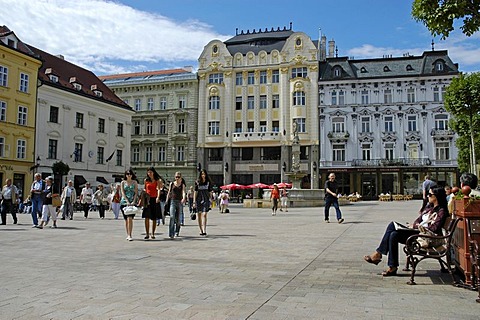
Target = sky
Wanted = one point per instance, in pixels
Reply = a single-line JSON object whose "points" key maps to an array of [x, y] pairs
{"points": [[111, 37]]}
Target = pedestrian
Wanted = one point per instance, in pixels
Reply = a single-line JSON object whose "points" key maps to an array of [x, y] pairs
{"points": [[284, 199], [86, 199], [37, 199], [427, 184], [190, 193], [331, 198], [163, 199], [274, 197], [100, 197], [151, 211], [68, 198], [224, 197], [117, 196], [9, 198], [177, 196], [48, 210], [201, 199], [182, 216], [129, 190]]}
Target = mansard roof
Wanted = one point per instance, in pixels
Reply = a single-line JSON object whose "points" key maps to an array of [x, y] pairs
{"points": [[387, 67], [70, 74], [135, 76], [257, 41]]}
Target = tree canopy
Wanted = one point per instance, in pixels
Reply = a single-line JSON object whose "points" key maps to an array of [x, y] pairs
{"points": [[439, 15]]}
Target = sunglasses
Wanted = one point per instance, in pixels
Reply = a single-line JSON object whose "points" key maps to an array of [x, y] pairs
{"points": [[430, 195], [128, 174], [177, 177]]}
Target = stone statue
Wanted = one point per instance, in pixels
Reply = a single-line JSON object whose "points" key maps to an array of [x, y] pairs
{"points": [[295, 131]]}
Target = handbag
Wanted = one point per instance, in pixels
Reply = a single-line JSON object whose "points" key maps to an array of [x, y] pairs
{"points": [[193, 215], [166, 208], [56, 202], [429, 242], [131, 210]]}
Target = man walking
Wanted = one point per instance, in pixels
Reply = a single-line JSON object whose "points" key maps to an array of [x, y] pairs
{"points": [[37, 198], [331, 198], [69, 196], [9, 199]]}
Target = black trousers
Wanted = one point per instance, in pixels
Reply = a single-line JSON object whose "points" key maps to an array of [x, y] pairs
{"points": [[7, 206]]}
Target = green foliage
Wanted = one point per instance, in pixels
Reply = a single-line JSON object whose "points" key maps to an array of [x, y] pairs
{"points": [[439, 15], [60, 168]]}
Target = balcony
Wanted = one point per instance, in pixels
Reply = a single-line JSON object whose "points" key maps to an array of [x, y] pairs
{"points": [[438, 134], [338, 136], [392, 162], [256, 136]]}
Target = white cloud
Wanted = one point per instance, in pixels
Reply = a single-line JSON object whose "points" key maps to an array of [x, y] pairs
{"points": [[103, 36]]}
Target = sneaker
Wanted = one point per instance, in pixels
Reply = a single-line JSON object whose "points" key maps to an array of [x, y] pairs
{"points": [[130, 239], [327, 221], [281, 209], [340, 220]]}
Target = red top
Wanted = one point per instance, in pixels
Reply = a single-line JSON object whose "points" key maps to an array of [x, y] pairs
{"points": [[275, 194], [151, 188]]}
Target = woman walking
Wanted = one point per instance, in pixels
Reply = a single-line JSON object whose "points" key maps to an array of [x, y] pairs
{"points": [[275, 196], [201, 200], [101, 198], [177, 196], [86, 198], [117, 196], [151, 212], [48, 211], [129, 190]]}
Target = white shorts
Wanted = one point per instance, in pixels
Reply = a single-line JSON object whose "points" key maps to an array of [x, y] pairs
{"points": [[284, 201], [48, 210]]}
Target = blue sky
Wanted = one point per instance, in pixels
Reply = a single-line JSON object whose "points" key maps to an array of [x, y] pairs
{"points": [[111, 37]]}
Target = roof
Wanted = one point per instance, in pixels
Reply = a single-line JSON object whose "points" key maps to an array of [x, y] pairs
{"points": [[5, 32], [68, 74], [144, 75], [257, 41]]}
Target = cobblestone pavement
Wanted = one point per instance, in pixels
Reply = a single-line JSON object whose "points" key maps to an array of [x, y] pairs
{"points": [[250, 266]]}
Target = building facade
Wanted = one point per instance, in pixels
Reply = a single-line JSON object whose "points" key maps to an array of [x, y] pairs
{"points": [[253, 89], [18, 93], [383, 125], [81, 123], [164, 126]]}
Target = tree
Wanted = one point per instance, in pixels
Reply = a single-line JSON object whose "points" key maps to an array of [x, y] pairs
{"points": [[438, 15], [462, 101]]}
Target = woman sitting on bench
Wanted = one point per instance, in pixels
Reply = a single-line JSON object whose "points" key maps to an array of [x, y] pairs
{"points": [[432, 218]]}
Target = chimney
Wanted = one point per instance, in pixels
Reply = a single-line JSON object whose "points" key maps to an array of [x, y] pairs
{"points": [[323, 48], [60, 56], [331, 48]]}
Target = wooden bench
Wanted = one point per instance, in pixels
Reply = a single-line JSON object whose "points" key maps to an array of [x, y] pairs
{"points": [[475, 261], [416, 253]]}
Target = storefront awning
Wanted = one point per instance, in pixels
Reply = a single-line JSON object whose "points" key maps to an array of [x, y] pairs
{"points": [[79, 180], [102, 180]]}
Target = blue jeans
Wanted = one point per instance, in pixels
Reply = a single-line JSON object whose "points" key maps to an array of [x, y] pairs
{"points": [[37, 204], [175, 210], [390, 241], [329, 201]]}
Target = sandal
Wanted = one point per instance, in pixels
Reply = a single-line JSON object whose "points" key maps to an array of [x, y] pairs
{"points": [[390, 272], [370, 260], [152, 237]]}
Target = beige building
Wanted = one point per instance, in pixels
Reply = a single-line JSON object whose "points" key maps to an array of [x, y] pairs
{"points": [[164, 126], [252, 88]]}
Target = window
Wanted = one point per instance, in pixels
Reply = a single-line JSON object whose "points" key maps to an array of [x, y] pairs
{"points": [[214, 103], [214, 128], [79, 120], [53, 114], [238, 103], [182, 101], [138, 105], [412, 123], [338, 124], [438, 94], [150, 104], [162, 126], [275, 76], [299, 98], [275, 126], [301, 127], [410, 95], [238, 127], [263, 76], [387, 96], [52, 148], [22, 116], [439, 66], [101, 125], [247, 153], [388, 123], [53, 78], [148, 154], [163, 103], [334, 98], [3, 76], [149, 127], [251, 77], [299, 72], [3, 111], [181, 125], [275, 101], [263, 102], [238, 78], [337, 72], [441, 122], [180, 153], [136, 127], [162, 154], [341, 97], [338, 152], [365, 124], [366, 151], [135, 154], [2, 147], [100, 153], [21, 148], [364, 96], [250, 126], [215, 154], [119, 158], [263, 126], [215, 78], [250, 102], [389, 151], [442, 151], [23, 82], [78, 152], [120, 129]]}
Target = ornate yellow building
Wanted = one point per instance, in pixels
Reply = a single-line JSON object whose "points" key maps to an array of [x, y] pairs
{"points": [[18, 94]]}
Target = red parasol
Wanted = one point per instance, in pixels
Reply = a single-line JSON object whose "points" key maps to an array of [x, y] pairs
{"points": [[282, 185], [258, 185], [232, 186]]}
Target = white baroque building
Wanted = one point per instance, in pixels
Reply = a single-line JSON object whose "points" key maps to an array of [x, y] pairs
{"points": [[383, 125], [81, 123]]}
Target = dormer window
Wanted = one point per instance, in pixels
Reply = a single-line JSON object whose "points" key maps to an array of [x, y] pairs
{"points": [[53, 78], [98, 93], [337, 72], [77, 86], [409, 67], [439, 66], [363, 70], [386, 69]]}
